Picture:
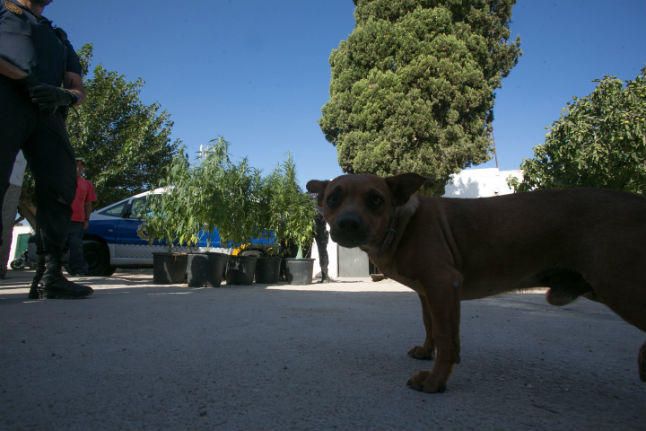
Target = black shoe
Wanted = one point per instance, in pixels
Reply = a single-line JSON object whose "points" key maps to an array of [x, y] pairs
{"points": [[36, 291], [56, 286], [61, 288], [325, 278]]}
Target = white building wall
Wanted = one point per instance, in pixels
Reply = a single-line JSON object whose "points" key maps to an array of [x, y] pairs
{"points": [[480, 183], [333, 256]]}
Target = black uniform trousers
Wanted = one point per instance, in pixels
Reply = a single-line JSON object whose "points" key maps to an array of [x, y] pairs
{"points": [[44, 141], [321, 236]]}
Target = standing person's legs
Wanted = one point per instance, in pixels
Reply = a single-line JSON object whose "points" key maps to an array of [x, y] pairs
{"points": [[9, 207], [321, 237], [51, 159], [17, 117], [36, 289], [77, 264]]}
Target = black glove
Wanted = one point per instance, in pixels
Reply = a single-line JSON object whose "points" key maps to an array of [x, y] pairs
{"points": [[49, 97]]}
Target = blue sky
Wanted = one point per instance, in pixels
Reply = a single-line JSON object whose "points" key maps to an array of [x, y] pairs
{"points": [[256, 71]]}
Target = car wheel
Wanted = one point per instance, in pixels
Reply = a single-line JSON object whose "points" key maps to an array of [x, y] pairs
{"points": [[17, 264], [98, 258]]}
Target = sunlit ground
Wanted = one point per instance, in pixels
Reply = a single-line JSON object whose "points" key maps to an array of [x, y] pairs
{"points": [[17, 283]]}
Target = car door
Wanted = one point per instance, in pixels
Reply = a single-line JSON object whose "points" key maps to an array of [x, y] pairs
{"points": [[131, 245]]}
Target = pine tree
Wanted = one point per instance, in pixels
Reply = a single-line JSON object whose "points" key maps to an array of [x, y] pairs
{"points": [[413, 86]]}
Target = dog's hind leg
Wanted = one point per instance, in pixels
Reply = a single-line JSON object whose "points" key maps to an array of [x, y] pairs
{"points": [[641, 360], [427, 350]]}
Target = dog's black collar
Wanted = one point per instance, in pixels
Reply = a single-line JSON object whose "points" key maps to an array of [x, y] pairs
{"points": [[399, 218], [391, 233]]}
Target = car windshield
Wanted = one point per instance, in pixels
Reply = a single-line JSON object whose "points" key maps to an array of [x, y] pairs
{"points": [[116, 210], [138, 208]]}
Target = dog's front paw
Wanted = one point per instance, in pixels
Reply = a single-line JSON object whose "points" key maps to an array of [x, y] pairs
{"points": [[421, 352], [426, 381]]}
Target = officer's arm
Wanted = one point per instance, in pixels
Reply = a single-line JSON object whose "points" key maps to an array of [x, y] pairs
{"points": [[10, 71], [74, 83]]}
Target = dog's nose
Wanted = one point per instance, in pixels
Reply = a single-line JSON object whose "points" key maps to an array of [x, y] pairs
{"points": [[349, 223]]}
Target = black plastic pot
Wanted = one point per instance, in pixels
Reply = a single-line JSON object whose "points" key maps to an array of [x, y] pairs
{"points": [[197, 269], [268, 269], [217, 268], [299, 271], [169, 268], [241, 269]]}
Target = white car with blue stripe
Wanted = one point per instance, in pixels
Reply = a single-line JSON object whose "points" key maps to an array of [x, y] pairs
{"points": [[116, 237]]}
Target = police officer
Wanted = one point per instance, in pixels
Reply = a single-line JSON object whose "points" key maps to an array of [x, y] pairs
{"points": [[40, 78], [322, 236]]}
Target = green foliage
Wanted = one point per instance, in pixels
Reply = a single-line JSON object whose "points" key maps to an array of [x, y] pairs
{"points": [[125, 142], [290, 212], [412, 87], [170, 217], [232, 197], [209, 204], [240, 190], [229, 195], [599, 141]]}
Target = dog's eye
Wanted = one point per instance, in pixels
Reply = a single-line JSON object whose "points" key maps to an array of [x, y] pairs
{"points": [[334, 199], [375, 201]]}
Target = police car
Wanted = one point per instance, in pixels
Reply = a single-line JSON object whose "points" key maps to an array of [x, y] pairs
{"points": [[112, 238], [116, 237]]}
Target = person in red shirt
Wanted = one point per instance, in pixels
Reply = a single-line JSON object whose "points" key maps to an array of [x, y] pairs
{"points": [[81, 210]]}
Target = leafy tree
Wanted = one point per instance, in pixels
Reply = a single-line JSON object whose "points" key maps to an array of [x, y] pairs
{"points": [[599, 141], [413, 86], [126, 143]]}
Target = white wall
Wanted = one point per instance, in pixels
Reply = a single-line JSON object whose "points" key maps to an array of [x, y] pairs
{"points": [[480, 183], [333, 255]]}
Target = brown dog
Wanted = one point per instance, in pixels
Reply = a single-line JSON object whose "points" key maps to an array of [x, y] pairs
{"points": [[577, 242]]}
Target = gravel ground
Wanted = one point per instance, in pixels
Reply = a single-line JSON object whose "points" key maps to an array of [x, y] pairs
{"points": [[137, 356]]}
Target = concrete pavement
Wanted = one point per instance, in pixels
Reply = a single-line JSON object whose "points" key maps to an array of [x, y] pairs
{"points": [[137, 356]]}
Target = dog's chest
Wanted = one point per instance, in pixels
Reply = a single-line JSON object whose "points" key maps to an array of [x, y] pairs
{"points": [[389, 269]]}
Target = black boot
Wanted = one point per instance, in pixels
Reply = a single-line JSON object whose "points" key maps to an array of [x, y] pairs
{"points": [[36, 289], [56, 286], [325, 278]]}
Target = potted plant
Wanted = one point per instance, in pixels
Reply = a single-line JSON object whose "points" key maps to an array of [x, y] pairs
{"points": [[207, 268], [239, 218], [292, 220], [166, 222], [269, 262]]}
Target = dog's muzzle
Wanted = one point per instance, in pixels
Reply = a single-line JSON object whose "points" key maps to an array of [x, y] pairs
{"points": [[349, 230]]}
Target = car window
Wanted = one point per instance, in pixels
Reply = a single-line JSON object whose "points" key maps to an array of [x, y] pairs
{"points": [[116, 210], [138, 208]]}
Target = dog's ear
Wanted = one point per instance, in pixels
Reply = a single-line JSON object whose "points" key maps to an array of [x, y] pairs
{"points": [[403, 186], [318, 187]]}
